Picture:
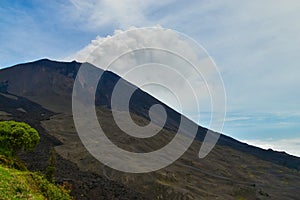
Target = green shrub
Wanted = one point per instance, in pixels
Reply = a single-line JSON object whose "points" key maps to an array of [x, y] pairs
{"points": [[15, 136]]}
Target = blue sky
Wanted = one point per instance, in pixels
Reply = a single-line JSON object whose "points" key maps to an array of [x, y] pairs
{"points": [[255, 44]]}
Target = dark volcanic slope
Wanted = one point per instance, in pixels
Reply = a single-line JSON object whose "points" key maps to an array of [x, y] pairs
{"points": [[50, 84], [233, 169], [141, 102], [85, 185]]}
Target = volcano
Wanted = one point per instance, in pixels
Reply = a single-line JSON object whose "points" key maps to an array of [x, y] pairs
{"points": [[40, 93]]}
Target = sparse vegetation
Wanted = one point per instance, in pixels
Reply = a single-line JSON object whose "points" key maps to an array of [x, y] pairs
{"points": [[16, 182], [50, 171]]}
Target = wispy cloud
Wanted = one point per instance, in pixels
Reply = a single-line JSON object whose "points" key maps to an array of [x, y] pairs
{"points": [[118, 14], [247, 126], [31, 30], [255, 52]]}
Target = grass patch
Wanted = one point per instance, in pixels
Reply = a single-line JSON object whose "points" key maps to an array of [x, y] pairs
{"points": [[15, 184]]}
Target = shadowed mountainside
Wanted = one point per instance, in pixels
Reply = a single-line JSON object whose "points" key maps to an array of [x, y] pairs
{"points": [[50, 84]]}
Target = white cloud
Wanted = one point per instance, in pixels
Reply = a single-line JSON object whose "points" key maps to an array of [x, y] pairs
{"points": [[290, 146], [184, 76], [255, 44]]}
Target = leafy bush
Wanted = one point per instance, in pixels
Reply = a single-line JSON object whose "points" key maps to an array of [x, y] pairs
{"points": [[15, 136]]}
